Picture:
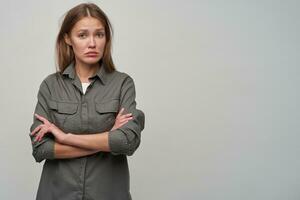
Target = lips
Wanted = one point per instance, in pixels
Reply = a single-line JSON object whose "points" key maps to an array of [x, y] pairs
{"points": [[91, 53]]}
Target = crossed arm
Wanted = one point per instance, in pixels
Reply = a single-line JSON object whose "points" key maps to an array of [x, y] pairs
{"points": [[68, 145], [71, 147], [63, 151]]}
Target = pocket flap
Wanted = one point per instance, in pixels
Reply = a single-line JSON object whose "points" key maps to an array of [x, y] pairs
{"points": [[63, 107], [108, 106]]}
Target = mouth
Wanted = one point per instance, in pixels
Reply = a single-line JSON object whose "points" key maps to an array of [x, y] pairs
{"points": [[91, 54]]}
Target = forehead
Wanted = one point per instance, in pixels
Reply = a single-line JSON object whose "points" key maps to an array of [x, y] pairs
{"points": [[88, 23]]}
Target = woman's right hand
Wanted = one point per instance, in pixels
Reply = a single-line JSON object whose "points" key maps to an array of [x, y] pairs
{"points": [[121, 119]]}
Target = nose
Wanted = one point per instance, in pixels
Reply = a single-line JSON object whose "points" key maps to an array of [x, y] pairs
{"points": [[92, 42]]}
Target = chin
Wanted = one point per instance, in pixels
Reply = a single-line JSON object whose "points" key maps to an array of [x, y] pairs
{"points": [[91, 61]]}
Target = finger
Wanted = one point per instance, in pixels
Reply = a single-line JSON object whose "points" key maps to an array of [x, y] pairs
{"points": [[125, 119], [123, 116], [41, 118], [121, 124], [127, 115], [36, 130], [120, 112], [40, 136], [36, 138], [122, 120]]}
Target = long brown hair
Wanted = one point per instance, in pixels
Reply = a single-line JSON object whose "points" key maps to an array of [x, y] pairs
{"points": [[64, 53]]}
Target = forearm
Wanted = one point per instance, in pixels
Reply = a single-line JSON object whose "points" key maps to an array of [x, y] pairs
{"points": [[94, 142], [62, 151]]}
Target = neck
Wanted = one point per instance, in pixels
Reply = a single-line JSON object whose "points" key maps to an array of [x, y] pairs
{"points": [[85, 71]]}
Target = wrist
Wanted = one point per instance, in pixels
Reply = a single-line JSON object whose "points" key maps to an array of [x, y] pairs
{"points": [[65, 138]]}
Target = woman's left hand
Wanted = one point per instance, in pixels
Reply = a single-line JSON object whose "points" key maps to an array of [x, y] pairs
{"points": [[45, 128]]}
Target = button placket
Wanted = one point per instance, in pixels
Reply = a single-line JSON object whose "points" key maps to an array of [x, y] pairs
{"points": [[84, 114]]}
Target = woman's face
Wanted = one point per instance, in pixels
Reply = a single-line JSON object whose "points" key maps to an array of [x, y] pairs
{"points": [[88, 40]]}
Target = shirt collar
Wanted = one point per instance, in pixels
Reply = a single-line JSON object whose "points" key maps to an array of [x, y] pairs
{"points": [[101, 73]]}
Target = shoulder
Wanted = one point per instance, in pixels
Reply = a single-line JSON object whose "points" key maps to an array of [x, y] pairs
{"points": [[51, 78], [121, 76], [124, 81], [48, 81]]}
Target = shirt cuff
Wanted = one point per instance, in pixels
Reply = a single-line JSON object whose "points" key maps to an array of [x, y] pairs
{"points": [[44, 150], [117, 142]]}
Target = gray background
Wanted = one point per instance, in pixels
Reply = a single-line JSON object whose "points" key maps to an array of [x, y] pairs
{"points": [[217, 80]]}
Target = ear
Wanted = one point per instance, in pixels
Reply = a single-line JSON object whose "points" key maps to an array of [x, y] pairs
{"points": [[67, 39]]}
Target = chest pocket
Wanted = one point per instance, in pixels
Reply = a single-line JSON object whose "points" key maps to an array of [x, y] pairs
{"points": [[106, 112], [62, 112]]}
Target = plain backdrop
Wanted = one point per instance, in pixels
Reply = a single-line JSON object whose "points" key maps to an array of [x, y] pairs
{"points": [[218, 82]]}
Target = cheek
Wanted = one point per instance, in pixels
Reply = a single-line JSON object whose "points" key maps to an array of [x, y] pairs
{"points": [[78, 48], [102, 46], [102, 43]]}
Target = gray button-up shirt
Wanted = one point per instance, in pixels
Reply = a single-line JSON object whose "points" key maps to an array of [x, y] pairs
{"points": [[103, 175]]}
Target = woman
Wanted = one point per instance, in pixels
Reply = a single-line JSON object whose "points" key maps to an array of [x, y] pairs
{"points": [[86, 121]]}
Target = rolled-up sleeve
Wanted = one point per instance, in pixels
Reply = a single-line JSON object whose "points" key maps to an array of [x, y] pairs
{"points": [[43, 149], [126, 139]]}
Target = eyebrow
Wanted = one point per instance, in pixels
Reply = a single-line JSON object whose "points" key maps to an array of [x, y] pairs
{"points": [[98, 29]]}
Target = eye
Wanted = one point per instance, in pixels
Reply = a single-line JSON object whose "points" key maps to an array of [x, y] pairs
{"points": [[81, 35], [100, 34]]}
